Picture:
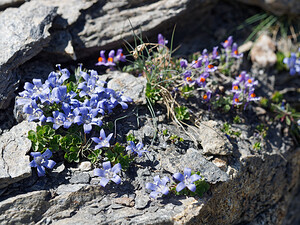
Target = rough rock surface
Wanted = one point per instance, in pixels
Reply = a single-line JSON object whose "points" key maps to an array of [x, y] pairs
{"points": [[14, 163], [24, 32], [252, 188], [263, 52], [10, 3], [278, 7]]}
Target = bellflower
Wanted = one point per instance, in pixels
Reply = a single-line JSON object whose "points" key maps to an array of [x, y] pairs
{"points": [[58, 119], [138, 149], [118, 98], [108, 173], [186, 180], [102, 141], [293, 64], [57, 79], [87, 117], [40, 161], [101, 59], [158, 187]]}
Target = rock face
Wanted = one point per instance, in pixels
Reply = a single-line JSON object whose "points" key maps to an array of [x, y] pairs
{"points": [[278, 7], [252, 188], [14, 163], [24, 32], [263, 52]]}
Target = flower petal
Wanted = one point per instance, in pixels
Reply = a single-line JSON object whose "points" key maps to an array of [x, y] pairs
{"points": [[116, 168], [116, 179], [178, 176], [33, 164], [187, 172], [35, 154], [165, 191], [104, 181], [99, 172], [180, 187], [154, 194], [50, 164], [106, 165], [192, 187], [151, 186], [195, 177], [47, 154], [41, 171], [95, 139], [165, 180]]}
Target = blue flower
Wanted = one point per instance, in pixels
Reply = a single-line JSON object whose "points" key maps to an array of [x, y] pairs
{"points": [[58, 120], [102, 141], [293, 64], [87, 117], [158, 187], [108, 173], [186, 180], [40, 161], [138, 149]]}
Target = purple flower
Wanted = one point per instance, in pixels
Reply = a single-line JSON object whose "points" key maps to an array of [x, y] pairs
{"points": [[120, 56], [207, 96], [162, 40], [197, 63], [183, 63], [210, 67], [227, 44], [110, 59], [235, 87], [293, 64], [187, 77], [108, 173], [159, 186], [201, 81], [118, 98], [40, 161], [138, 149], [234, 51], [102, 141], [252, 96], [215, 54], [236, 100], [101, 59], [186, 180], [57, 79]]}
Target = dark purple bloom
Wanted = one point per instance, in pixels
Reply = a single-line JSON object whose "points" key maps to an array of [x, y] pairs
{"points": [[101, 59], [40, 161], [183, 63], [162, 40], [108, 173], [138, 149], [186, 180], [120, 57], [102, 141], [158, 187]]}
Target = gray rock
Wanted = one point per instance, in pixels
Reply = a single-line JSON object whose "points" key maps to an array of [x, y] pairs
{"points": [[278, 7], [68, 188], [14, 163], [133, 87], [24, 209], [85, 166], [212, 140], [24, 32], [174, 162], [263, 51], [80, 178], [10, 3]]}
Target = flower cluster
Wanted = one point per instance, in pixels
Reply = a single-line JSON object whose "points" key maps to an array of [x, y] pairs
{"points": [[293, 63], [198, 71], [243, 88], [112, 59], [186, 180], [55, 100]]}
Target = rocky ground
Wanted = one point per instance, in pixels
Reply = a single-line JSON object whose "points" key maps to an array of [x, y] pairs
{"points": [[246, 186]]}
